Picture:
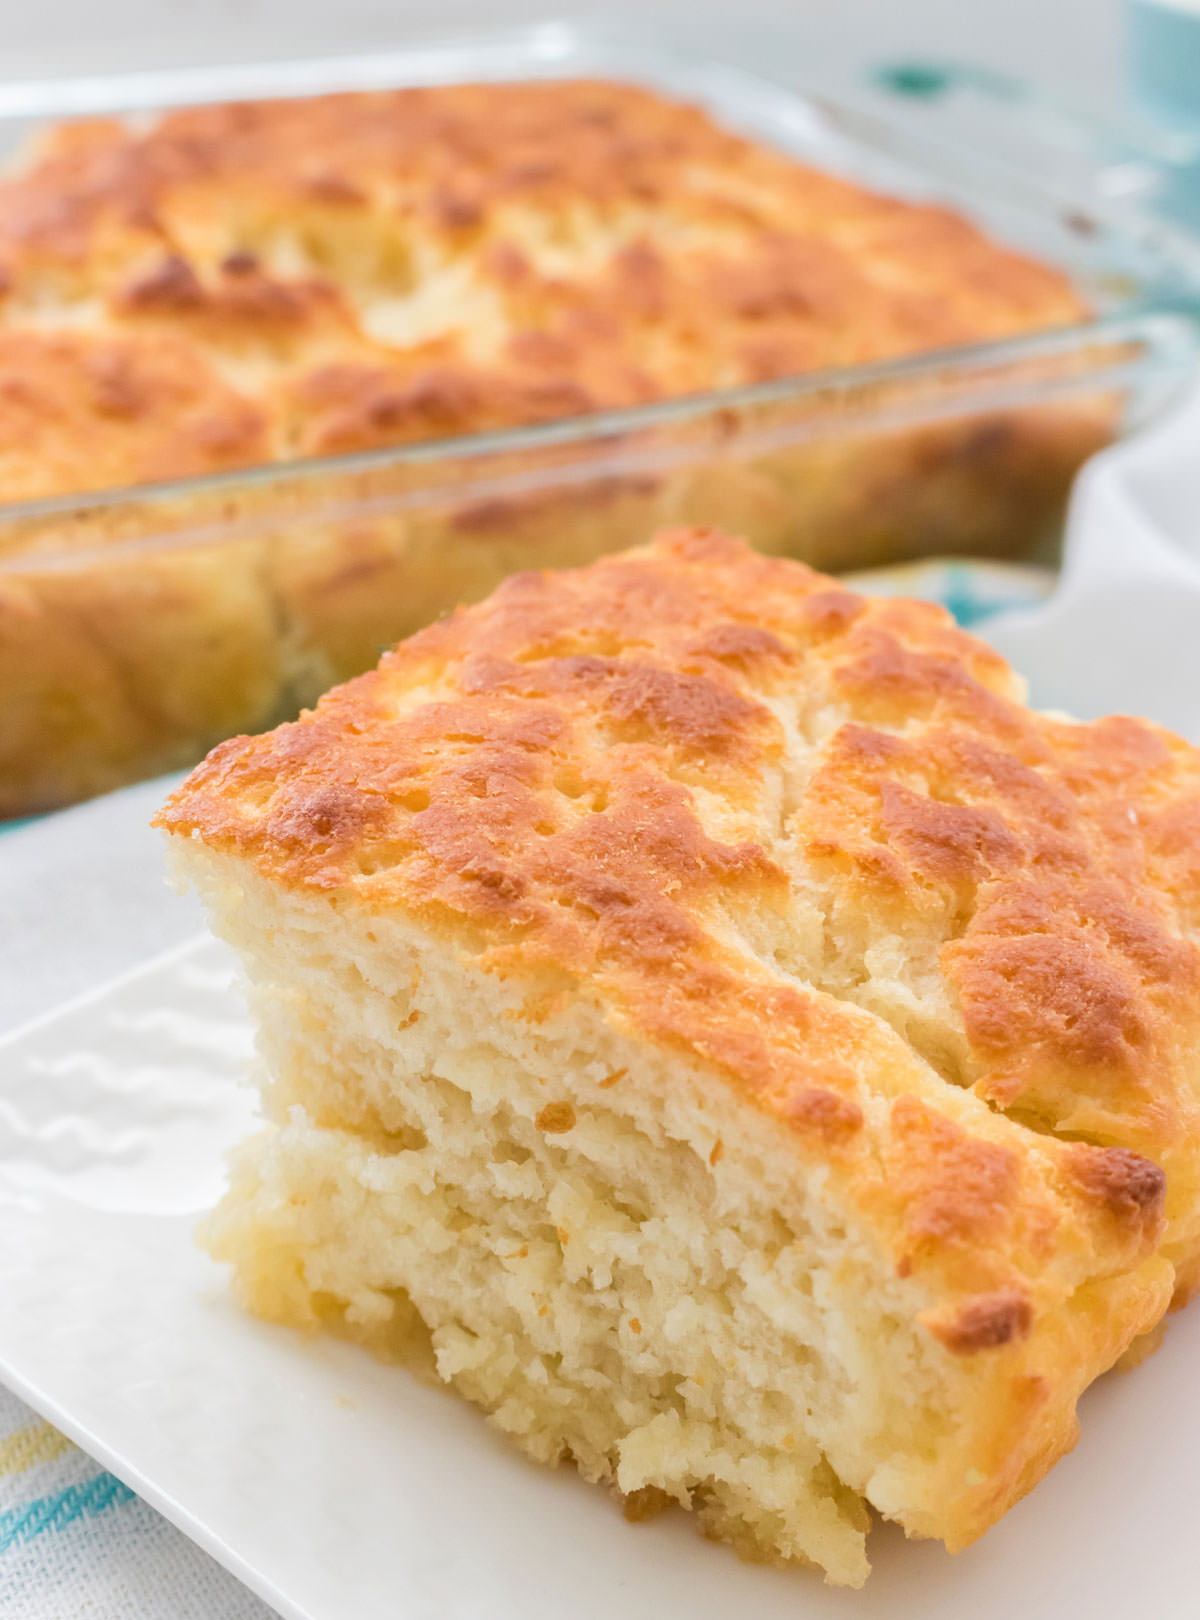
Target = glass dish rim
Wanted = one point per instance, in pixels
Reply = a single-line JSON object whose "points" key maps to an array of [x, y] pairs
{"points": [[1167, 331]]}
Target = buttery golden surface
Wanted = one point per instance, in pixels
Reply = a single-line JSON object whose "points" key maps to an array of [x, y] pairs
{"points": [[268, 280], [816, 848], [753, 807]]}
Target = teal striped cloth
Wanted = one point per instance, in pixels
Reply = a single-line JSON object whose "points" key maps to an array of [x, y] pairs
{"points": [[973, 591], [37, 1446], [77, 1544]]}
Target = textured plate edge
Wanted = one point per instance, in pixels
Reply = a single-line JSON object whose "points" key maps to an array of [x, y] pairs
{"points": [[193, 945], [47, 1406]]}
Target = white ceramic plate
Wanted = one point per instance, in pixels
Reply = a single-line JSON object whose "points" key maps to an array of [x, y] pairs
{"points": [[343, 1490]]}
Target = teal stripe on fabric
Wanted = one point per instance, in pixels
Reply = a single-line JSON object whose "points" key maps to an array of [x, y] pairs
{"points": [[958, 594], [96, 1496]]}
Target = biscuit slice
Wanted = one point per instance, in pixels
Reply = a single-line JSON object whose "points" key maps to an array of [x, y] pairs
{"points": [[756, 1049]]}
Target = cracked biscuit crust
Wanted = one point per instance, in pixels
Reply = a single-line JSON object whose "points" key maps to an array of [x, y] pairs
{"points": [[693, 768], [817, 848], [818, 844], [623, 763]]}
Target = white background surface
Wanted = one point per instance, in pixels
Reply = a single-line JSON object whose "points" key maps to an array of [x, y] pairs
{"points": [[1071, 45]]}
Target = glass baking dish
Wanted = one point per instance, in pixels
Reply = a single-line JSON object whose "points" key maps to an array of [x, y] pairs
{"points": [[139, 626]]}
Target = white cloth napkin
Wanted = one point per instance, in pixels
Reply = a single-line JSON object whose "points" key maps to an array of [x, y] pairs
{"points": [[1121, 634]]}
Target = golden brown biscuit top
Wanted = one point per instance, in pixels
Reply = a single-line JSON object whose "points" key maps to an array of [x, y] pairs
{"points": [[815, 841], [357, 270]]}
